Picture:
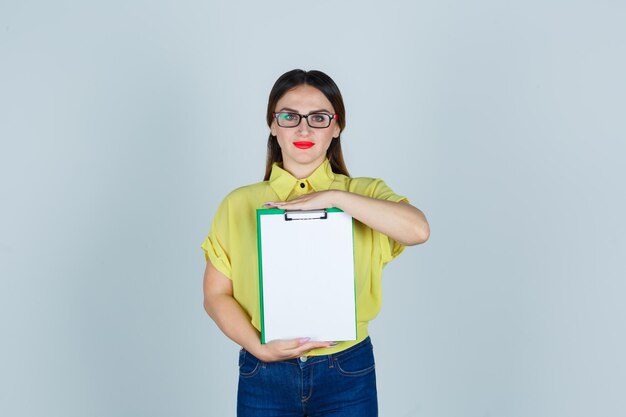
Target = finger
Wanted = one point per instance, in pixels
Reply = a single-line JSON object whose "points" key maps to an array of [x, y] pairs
{"points": [[294, 201], [277, 204], [299, 204], [307, 347], [302, 343], [290, 345], [289, 205]]}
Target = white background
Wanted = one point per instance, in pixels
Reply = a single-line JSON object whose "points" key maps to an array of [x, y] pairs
{"points": [[124, 123]]}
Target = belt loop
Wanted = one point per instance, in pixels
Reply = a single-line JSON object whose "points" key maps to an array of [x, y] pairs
{"points": [[331, 362]]}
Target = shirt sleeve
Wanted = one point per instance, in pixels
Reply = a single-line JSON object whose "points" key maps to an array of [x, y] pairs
{"points": [[389, 247], [216, 245]]}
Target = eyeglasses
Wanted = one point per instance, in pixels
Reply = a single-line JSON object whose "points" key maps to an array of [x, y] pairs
{"points": [[314, 120]]}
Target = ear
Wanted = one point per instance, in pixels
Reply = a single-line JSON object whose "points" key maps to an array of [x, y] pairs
{"points": [[336, 132], [273, 128]]}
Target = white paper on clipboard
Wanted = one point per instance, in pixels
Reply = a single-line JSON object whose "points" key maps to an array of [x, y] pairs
{"points": [[306, 275]]}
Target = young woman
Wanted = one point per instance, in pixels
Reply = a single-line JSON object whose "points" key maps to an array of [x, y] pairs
{"points": [[305, 170]]}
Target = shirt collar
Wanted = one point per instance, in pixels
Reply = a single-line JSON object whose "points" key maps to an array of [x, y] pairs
{"points": [[282, 182]]}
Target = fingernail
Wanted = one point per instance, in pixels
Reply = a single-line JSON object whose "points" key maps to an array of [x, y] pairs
{"points": [[333, 344], [303, 340]]}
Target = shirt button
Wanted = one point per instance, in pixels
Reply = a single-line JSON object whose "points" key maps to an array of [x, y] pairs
{"points": [[302, 185], [303, 358]]}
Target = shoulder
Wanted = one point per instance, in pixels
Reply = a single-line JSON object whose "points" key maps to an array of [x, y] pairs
{"points": [[244, 198], [365, 185], [247, 192], [371, 187]]}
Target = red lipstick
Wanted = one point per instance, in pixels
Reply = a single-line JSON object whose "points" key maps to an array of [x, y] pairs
{"points": [[303, 144]]}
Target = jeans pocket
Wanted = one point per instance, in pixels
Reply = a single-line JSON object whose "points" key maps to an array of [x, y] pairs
{"points": [[357, 363], [249, 365]]}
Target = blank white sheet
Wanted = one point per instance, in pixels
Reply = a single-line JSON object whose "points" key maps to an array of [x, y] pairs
{"points": [[307, 279]]}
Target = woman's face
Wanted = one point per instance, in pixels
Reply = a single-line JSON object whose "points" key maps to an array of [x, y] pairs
{"points": [[303, 147]]}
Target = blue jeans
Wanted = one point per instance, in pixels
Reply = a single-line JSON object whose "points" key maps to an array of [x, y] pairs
{"points": [[338, 385]]}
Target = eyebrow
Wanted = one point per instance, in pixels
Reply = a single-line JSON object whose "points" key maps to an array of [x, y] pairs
{"points": [[288, 109]]}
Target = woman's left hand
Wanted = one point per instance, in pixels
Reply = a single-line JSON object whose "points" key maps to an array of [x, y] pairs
{"points": [[312, 201], [399, 220]]}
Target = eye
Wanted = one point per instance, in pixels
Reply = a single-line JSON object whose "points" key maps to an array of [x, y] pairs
{"points": [[318, 118], [289, 117]]}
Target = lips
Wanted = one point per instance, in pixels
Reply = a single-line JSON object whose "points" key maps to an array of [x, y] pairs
{"points": [[303, 144]]}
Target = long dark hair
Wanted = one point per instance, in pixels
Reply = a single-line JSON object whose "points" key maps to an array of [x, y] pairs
{"points": [[327, 86]]}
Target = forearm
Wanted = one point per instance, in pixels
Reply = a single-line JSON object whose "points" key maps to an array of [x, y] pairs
{"points": [[400, 221], [233, 321]]}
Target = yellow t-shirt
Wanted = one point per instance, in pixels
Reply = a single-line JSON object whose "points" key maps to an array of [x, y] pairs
{"points": [[231, 245]]}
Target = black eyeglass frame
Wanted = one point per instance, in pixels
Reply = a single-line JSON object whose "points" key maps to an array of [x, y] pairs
{"points": [[305, 116]]}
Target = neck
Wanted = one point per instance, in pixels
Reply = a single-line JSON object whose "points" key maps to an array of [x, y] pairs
{"points": [[301, 171]]}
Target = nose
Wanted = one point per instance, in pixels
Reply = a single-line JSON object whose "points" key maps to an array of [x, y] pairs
{"points": [[303, 128]]}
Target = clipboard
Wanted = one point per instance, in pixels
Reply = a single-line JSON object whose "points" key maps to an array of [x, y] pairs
{"points": [[306, 274]]}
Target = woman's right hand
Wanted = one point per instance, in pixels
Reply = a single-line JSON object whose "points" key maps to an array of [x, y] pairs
{"points": [[280, 350], [235, 323]]}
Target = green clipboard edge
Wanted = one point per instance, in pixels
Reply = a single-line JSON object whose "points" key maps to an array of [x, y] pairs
{"points": [[261, 212]]}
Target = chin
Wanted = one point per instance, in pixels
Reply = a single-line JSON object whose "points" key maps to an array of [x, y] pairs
{"points": [[305, 159]]}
